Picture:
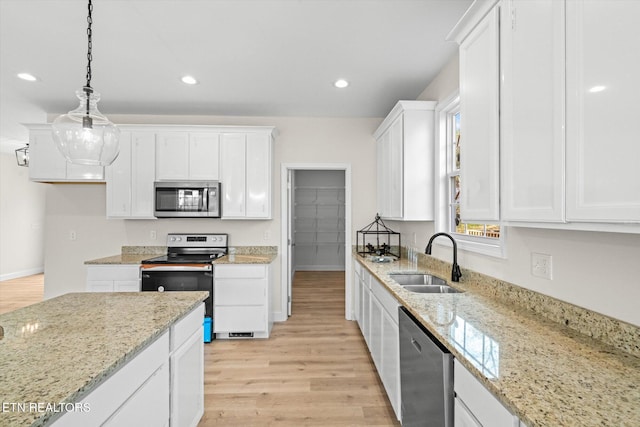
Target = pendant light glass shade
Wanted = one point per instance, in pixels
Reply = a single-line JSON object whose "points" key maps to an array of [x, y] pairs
{"points": [[84, 136]]}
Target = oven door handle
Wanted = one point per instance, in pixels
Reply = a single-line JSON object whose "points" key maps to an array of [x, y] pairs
{"points": [[158, 268]]}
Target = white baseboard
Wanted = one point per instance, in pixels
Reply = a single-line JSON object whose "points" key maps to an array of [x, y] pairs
{"points": [[319, 268], [279, 316], [23, 273]]}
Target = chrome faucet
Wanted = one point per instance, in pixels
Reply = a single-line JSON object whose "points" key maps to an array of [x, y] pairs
{"points": [[455, 271]]}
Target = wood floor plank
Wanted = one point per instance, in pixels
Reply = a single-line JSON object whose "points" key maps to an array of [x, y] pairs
{"points": [[21, 292], [315, 370]]}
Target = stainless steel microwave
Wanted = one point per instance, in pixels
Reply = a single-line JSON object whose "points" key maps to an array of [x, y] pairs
{"points": [[187, 199]]}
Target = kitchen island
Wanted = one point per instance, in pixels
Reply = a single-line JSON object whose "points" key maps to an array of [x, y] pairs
{"points": [[543, 371], [58, 354]]}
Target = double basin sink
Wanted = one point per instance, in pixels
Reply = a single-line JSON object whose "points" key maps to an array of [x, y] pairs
{"points": [[423, 283]]}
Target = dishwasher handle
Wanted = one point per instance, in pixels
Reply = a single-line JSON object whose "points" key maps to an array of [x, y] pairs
{"points": [[416, 345]]}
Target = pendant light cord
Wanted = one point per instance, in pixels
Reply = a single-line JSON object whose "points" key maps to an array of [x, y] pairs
{"points": [[87, 122], [89, 43]]}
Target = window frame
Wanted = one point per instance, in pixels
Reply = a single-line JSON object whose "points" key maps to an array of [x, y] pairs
{"points": [[443, 159]]}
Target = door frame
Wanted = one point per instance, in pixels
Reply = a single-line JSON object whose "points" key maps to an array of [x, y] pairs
{"points": [[285, 215]]}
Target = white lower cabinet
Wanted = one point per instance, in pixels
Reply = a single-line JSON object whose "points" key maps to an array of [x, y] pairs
{"points": [[187, 371], [161, 386], [241, 303], [113, 278], [378, 321], [149, 396], [475, 406]]}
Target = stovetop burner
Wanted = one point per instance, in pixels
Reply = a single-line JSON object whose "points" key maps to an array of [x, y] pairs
{"points": [[192, 249]]}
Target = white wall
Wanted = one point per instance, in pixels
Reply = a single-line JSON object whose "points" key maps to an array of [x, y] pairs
{"points": [[597, 271], [81, 207], [22, 212]]}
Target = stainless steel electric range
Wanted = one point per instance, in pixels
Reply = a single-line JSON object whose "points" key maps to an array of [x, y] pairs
{"points": [[187, 266]]}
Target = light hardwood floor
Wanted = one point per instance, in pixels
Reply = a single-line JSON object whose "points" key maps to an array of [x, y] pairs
{"points": [[314, 370], [18, 293]]}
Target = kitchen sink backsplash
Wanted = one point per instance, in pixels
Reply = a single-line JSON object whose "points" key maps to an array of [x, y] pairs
{"points": [[619, 334]]}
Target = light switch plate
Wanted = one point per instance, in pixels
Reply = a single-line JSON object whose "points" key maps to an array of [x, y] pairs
{"points": [[541, 265]]}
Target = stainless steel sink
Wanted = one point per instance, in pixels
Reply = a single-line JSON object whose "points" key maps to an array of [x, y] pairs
{"points": [[431, 289], [423, 283], [418, 279]]}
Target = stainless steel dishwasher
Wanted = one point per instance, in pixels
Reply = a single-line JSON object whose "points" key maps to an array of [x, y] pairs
{"points": [[426, 376]]}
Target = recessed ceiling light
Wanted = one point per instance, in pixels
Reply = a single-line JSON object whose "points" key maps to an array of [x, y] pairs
{"points": [[596, 89], [189, 80], [28, 77], [341, 83]]}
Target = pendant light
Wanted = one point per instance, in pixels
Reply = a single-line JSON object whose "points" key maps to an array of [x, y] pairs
{"points": [[84, 136]]}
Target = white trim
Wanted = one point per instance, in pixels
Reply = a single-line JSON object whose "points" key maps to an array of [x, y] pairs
{"points": [[490, 247], [23, 273], [284, 274]]}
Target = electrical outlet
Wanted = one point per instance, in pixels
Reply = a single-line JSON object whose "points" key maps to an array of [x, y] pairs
{"points": [[541, 265], [72, 235], [153, 235], [267, 235]]}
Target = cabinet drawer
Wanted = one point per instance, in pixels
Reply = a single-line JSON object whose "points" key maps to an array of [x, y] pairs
{"points": [[100, 286], [240, 319], [239, 292], [240, 271], [462, 416], [148, 406], [113, 272], [118, 388], [386, 300], [186, 327], [484, 406]]}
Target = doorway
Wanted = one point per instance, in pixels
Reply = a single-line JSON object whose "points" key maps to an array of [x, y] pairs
{"points": [[316, 223]]}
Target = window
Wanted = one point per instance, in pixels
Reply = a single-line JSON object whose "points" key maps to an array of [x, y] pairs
{"points": [[483, 238]]}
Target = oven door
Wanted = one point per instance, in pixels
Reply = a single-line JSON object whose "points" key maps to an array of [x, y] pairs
{"points": [[191, 277]]}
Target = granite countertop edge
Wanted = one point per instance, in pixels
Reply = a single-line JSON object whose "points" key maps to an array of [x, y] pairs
{"points": [[132, 255], [78, 388], [518, 389]]}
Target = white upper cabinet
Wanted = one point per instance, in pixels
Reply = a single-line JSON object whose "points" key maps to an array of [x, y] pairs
{"points": [[567, 92], [246, 160], [130, 178], [479, 121], [603, 153], [405, 154], [172, 156], [47, 164], [204, 152], [187, 156], [233, 150], [532, 113]]}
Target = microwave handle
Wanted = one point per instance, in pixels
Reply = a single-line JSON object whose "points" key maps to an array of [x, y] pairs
{"points": [[205, 201], [212, 196]]}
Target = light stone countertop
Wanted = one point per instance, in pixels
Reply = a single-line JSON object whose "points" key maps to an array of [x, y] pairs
{"points": [[121, 259], [137, 254], [246, 259], [544, 372], [59, 350]]}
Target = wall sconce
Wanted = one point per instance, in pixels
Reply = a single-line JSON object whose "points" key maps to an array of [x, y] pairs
{"points": [[22, 156]]}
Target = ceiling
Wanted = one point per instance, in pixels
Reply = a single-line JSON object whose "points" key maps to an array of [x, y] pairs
{"points": [[251, 57]]}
